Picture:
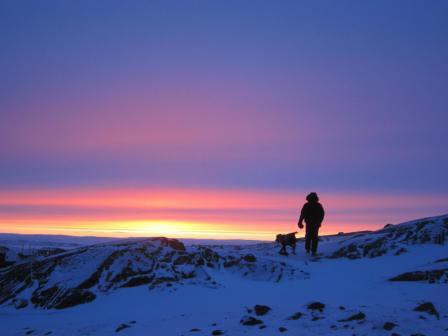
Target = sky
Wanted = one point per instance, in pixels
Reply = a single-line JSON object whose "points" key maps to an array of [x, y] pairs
{"points": [[216, 118]]}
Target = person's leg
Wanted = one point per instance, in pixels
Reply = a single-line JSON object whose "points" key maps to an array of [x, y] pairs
{"points": [[315, 239], [307, 239]]}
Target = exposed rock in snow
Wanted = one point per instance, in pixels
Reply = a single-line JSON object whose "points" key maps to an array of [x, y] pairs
{"points": [[261, 310], [316, 306], [429, 308], [435, 272], [393, 238], [389, 326], [295, 316], [250, 321], [356, 317], [78, 276]]}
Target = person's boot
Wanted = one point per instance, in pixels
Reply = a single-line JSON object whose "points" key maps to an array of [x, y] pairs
{"points": [[314, 253], [307, 251]]}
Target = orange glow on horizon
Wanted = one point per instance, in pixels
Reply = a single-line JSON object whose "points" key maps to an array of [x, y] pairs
{"points": [[194, 213]]}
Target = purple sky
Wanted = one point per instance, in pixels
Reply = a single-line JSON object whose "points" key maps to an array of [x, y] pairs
{"points": [[331, 96]]}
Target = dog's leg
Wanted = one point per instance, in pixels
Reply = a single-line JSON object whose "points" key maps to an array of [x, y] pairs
{"points": [[294, 249], [283, 250]]}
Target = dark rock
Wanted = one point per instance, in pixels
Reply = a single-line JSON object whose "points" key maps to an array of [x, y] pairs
{"points": [[431, 276], [316, 306], [54, 297], [41, 297], [173, 243], [429, 308], [389, 326], [341, 308], [138, 281], [295, 316], [231, 262], [357, 317], [122, 327], [282, 329], [250, 321], [195, 330], [162, 280], [3, 261], [217, 332], [249, 258], [375, 249], [20, 303], [75, 297], [261, 310], [316, 318], [209, 255], [262, 327], [183, 259], [401, 250]]}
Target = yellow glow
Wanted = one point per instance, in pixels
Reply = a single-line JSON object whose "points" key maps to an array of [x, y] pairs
{"points": [[183, 213]]}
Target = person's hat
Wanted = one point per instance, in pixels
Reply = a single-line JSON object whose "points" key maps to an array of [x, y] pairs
{"points": [[312, 197]]}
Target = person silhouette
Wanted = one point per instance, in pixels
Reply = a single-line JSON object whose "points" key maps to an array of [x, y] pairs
{"points": [[313, 213]]}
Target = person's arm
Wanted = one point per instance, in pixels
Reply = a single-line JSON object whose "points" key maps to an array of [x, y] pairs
{"points": [[322, 214], [302, 216]]}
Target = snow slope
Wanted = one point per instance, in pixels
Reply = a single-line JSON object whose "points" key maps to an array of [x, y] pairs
{"points": [[354, 287], [17, 247]]}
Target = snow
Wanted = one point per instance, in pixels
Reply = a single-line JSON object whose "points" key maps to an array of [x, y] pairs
{"points": [[39, 241], [359, 285]]}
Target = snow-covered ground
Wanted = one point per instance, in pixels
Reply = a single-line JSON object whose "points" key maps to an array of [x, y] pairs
{"points": [[351, 278], [39, 241]]}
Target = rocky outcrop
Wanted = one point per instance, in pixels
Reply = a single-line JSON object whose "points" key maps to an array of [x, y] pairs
{"points": [[428, 307], [392, 239], [316, 306], [79, 276], [355, 317], [261, 310], [431, 276], [435, 272], [5, 260], [250, 321]]}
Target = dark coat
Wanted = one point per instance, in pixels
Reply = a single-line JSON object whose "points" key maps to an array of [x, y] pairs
{"points": [[313, 213]]}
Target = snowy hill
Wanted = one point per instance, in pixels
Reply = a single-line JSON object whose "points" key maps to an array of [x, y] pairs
{"points": [[394, 239], [15, 247], [78, 276], [389, 281]]}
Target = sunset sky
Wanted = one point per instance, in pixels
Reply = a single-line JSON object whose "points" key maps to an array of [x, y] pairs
{"points": [[215, 118]]}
